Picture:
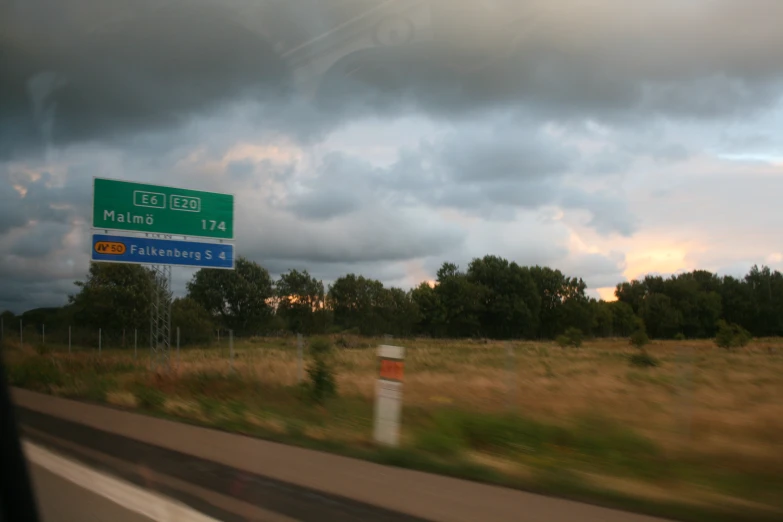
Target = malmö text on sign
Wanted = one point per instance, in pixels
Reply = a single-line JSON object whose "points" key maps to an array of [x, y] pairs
{"points": [[139, 207], [145, 250]]}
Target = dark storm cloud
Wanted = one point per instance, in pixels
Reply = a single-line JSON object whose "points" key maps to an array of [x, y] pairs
{"points": [[98, 69], [504, 154], [40, 199], [92, 69], [40, 241]]}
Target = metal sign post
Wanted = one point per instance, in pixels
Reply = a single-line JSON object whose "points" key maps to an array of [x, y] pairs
{"points": [[388, 395], [160, 317]]}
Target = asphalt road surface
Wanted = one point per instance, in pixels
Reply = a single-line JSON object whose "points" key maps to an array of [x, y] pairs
{"points": [[61, 500], [235, 478]]}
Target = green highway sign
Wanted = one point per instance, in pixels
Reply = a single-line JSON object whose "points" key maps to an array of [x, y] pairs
{"points": [[139, 207]]}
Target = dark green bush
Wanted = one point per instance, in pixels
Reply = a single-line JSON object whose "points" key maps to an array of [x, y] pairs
{"points": [[38, 373], [194, 322], [679, 337], [643, 360], [731, 335], [149, 398], [322, 384], [639, 339], [571, 337]]}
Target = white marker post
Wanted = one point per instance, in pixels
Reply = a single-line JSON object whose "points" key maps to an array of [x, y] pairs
{"points": [[388, 394]]}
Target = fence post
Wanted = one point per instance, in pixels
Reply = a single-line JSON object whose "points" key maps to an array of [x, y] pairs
{"points": [[135, 343], [231, 349], [69, 339], [43, 334], [298, 357], [2, 331], [21, 334], [178, 347], [99, 341]]}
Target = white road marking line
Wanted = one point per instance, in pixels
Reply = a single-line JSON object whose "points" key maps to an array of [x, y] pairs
{"points": [[129, 496]]}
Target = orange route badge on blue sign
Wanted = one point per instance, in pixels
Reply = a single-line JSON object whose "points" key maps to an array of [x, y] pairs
{"points": [[110, 247]]}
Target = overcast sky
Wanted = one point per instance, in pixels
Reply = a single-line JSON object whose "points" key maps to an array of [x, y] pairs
{"points": [[607, 138]]}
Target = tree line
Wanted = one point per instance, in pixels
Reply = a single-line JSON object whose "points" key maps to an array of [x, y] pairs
{"points": [[492, 298]]}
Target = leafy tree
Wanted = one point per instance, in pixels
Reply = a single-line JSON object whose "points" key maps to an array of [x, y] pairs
{"points": [[601, 313], [239, 298], [194, 322], [766, 288], [301, 302], [462, 300], [562, 302], [624, 322], [113, 296], [509, 297], [401, 312], [365, 305], [632, 294], [738, 302], [663, 321], [432, 314]]}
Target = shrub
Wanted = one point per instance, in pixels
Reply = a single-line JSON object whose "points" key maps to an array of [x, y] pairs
{"points": [[731, 335], [149, 398], [39, 373], [322, 384], [571, 337], [193, 320], [643, 360], [639, 339], [439, 443], [679, 337]]}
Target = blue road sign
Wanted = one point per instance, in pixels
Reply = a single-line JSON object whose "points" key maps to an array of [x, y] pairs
{"points": [[151, 251]]}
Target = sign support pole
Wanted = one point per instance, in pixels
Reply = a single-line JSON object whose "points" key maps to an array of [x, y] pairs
{"points": [[160, 322]]}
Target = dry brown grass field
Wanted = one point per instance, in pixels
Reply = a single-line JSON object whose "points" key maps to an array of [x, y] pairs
{"points": [[713, 417]]}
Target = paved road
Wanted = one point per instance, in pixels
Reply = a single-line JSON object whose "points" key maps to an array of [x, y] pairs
{"points": [[232, 477], [60, 500]]}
